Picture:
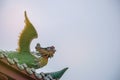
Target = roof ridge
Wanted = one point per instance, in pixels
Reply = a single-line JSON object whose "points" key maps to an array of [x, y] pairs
{"points": [[23, 68]]}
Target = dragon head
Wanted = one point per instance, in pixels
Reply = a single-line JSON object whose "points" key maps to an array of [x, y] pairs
{"points": [[45, 52]]}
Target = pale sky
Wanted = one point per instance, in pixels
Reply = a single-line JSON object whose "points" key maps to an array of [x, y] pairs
{"points": [[85, 33]]}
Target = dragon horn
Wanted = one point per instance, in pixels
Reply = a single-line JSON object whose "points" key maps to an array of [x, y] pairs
{"points": [[58, 74]]}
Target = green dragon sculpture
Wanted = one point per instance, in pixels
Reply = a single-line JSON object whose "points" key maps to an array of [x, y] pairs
{"points": [[24, 55]]}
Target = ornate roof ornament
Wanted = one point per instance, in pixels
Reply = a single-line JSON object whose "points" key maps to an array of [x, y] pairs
{"points": [[22, 63]]}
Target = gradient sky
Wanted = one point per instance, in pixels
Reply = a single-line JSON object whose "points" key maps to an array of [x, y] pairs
{"points": [[86, 34]]}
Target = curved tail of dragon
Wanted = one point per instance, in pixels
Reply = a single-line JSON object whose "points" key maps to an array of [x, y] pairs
{"points": [[26, 36]]}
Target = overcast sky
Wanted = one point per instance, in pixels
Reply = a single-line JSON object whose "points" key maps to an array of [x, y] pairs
{"points": [[85, 33]]}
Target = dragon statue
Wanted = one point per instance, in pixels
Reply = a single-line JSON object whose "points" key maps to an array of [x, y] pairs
{"points": [[24, 55]]}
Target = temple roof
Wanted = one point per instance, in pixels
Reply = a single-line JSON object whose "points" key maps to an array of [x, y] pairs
{"points": [[10, 69]]}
